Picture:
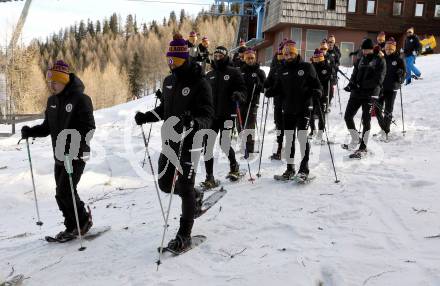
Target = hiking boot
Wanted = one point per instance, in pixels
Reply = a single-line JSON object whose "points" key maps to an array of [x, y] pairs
{"points": [[180, 243], [65, 235], [199, 201], [210, 183], [85, 227]]}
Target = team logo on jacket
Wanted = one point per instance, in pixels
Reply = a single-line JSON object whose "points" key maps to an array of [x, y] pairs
{"points": [[226, 77], [300, 72], [394, 63], [69, 107], [254, 75], [324, 71], [169, 86], [185, 91]]}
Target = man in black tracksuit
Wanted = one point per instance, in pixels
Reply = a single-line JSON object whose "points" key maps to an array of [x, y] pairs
{"points": [[228, 90], [186, 95], [324, 70], [395, 76], [67, 108], [276, 64], [365, 84], [334, 55], [254, 78], [297, 83]]}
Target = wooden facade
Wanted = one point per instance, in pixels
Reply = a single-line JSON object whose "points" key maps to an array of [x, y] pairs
{"points": [[350, 28]]}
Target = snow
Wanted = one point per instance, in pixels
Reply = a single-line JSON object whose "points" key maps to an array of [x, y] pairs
{"points": [[370, 229]]}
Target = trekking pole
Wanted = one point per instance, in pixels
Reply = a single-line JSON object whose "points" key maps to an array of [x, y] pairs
{"points": [[245, 148], [69, 170], [147, 142], [173, 186], [401, 107], [387, 114], [328, 102], [262, 141], [339, 97], [147, 152], [247, 114], [39, 222], [261, 118], [328, 144]]}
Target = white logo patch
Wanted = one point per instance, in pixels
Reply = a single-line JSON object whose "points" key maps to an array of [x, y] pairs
{"points": [[69, 107], [300, 72], [394, 63], [324, 71], [254, 75], [286, 73], [226, 77], [169, 86], [212, 77], [53, 106], [185, 91]]}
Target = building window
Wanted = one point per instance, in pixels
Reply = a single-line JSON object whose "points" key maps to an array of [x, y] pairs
{"points": [[296, 35], [346, 48], [268, 55], [371, 7], [330, 4], [313, 41], [397, 8], [420, 7], [351, 6], [437, 11]]}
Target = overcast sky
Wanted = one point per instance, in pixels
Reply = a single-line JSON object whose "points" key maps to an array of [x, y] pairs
{"points": [[48, 16]]}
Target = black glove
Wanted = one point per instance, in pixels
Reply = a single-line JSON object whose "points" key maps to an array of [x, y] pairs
{"points": [[158, 94], [399, 72], [237, 96], [25, 132], [188, 121], [140, 118]]}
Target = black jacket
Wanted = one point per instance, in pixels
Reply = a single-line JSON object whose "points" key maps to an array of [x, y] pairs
{"points": [[368, 75], [70, 109], [203, 54], [271, 79], [296, 84], [334, 57], [185, 90], [253, 75], [224, 81], [324, 70], [412, 44], [396, 70]]}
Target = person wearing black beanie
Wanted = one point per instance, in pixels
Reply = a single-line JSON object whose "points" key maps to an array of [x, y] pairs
{"points": [[364, 87]]}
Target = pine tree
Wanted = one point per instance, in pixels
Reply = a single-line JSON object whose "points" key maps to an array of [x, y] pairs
{"points": [[98, 27], [114, 26], [106, 29], [90, 28], [173, 19], [129, 26], [135, 76]]}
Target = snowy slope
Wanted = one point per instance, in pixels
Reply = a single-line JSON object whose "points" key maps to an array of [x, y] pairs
{"points": [[369, 229]]}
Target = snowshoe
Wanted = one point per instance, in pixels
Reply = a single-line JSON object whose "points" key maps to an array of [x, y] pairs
{"points": [[210, 183], [235, 175], [303, 178], [286, 176], [275, 156], [179, 245], [209, 202], [61, 237], [358, 154]]}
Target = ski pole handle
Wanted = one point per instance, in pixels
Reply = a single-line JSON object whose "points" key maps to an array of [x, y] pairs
{"points": [[68, 164]]}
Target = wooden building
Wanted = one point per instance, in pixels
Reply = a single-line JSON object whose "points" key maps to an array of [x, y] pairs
{"points": [[350, 21]]}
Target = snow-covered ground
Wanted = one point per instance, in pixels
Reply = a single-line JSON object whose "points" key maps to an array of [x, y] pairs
{"points": [[370, 229]]}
